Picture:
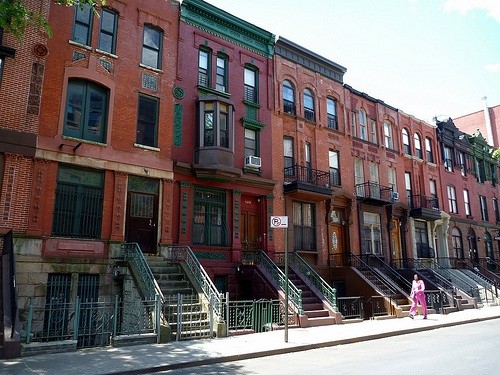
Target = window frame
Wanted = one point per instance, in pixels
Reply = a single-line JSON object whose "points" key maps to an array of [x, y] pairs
{"points": [[155, 121], [467, 202], [202, 70], [448, 158], [457, 243], [84, 129], [483, 205], [417, 144], [363, 125], [86, 24], [388, 137], [332, 121], [113, 34], [158, 50], [452, 199], [334, 164], [221, 73], [251, 89], [288, 156], [373, 227], [210, 217], [304, 226], [429, 154], [406, 141], [289, 97], [309, 111], [221, 109]]}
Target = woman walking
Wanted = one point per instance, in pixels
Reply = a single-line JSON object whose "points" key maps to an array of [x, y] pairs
{"points": [[417, 296]]}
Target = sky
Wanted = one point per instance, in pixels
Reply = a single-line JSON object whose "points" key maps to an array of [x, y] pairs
{"points": [[428, 58]]}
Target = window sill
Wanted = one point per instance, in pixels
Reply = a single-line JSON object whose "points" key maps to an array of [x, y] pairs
{"points": [[150, 148], [88, 48], [251, 104], [108, 54], [65, 137], [156, 70]]}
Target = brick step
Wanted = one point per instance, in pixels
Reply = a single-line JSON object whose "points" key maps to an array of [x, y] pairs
{"points": [[316, 313], [322, 321], [312, 306]]}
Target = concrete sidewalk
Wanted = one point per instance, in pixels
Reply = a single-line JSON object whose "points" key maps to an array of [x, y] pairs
{"points": [[144, 359]]}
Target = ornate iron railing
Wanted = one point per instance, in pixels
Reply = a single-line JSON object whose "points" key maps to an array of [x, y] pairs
{"points": [[351, 307], [423, 201], [457, 281], [185, 255], [374, 190], [277, 275], [132, 253], [316, 280], [301, 173]]}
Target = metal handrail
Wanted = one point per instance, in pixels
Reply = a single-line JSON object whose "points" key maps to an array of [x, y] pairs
{"points": [[132, 253], [185, 254], [312, 276], [389, 271], [462, 284], [357, 262], [277, 275]]}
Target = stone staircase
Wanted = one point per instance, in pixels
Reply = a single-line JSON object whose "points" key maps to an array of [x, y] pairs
{"points": [[316, 313], [192, 320]]}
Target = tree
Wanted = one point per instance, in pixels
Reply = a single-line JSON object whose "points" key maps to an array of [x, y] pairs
{"points": [[496, 154], [15, 17]]}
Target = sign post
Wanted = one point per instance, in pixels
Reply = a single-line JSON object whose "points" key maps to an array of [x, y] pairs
{"points": [[282, 222]]}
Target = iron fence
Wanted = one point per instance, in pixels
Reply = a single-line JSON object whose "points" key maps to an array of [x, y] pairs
{"points": [[351, 307], [90, 323]]}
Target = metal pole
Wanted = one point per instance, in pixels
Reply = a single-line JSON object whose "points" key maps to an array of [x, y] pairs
{"points": [[286, 284]]}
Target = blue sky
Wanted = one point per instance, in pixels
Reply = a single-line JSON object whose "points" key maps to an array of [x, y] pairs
{"points": [[426, 57]]}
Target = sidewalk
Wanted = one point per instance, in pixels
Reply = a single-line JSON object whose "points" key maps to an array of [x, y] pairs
{"points": [[144, 359]]}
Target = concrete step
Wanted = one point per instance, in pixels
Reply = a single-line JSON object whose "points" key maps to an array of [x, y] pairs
{"points": [[316, 313], [322, 321]]}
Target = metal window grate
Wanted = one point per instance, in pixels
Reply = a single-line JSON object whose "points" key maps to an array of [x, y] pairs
{"points": [[210, 217]]}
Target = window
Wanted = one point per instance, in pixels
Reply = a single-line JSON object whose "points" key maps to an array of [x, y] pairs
{"points": [[428, 150], [204, 68], [484, 208], [307, 157], [151, 47], [488, 244], [288, 97], [448, 161], [147, 121], [462, 163], [359, 178], [288, 161], [353, 124], [456, 238], [309, 105], [216, 123], [1, 68], [409, 191], [452, 199], [480, 171], [82, 26], [495, 208], [388, 140], [333, 160], [406, 142], [373, 133], [250, 142], [374, 180], [331, 111], [467, 202], [433, 191], [107, 34], [221, 74], [304, 226], [391, 177], [86, 111], [78, 203], [362, 124], [251, 85], [372, 234], [422, 240], [210, 217], [57, 300], [418, 146]]}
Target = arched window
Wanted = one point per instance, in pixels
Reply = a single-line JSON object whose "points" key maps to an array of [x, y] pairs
{"points": [[406, 142], [309, 105], [458, 248], [418, 146], [288, 97]]}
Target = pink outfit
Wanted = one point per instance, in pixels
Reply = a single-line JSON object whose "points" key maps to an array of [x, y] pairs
{"points": [[418, 296]]}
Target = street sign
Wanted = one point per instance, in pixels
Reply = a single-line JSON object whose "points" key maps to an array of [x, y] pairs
{"points": [[279, 221]]}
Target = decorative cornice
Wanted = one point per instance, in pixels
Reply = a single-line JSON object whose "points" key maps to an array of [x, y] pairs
{"points": [[217, 22], [309, 59]]}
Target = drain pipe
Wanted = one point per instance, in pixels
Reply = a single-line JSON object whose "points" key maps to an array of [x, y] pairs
{"points": [[487, 120]]}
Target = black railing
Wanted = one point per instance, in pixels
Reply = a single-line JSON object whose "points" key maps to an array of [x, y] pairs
{"points": [[309, 114], [374, 190], [332, 122], [423, 201], [300, 173], [351, 307], [289, 107]]}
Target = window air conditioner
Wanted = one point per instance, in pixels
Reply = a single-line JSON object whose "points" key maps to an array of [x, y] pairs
{"points": [[395, 196], [253, 161]]}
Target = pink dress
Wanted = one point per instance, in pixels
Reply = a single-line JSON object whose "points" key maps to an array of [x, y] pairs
{"points": [[418, 297]]}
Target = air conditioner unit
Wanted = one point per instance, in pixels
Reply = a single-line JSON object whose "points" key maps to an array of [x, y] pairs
{"points": [[253, 162], [395, 196]]}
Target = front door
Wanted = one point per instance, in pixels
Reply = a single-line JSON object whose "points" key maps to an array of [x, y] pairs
{"points": [[336, 245], [142, 214], [250, 230], [396, 244]]}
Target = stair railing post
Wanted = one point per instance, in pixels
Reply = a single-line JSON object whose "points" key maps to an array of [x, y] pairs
{"points": [[179, 316], [115, 317], [30, 318], [211, 314], [76, 318]]}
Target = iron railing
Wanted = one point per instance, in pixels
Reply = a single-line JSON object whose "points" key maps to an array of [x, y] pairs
{"points": [[374, 190], [316, 280], [351, 307], [379, 305], [311, 176], [132, 253], [277, 275], [423, 201], [89, 323], [185, 255]]}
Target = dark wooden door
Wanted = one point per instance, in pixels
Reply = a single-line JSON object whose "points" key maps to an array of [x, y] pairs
{"points": [[142, 216], [250, 238]]}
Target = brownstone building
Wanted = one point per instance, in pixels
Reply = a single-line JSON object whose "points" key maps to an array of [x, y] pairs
{"points": [[486, 121]]}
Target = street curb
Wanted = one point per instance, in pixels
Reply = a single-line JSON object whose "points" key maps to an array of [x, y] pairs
{"points": [[293, 349]]}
